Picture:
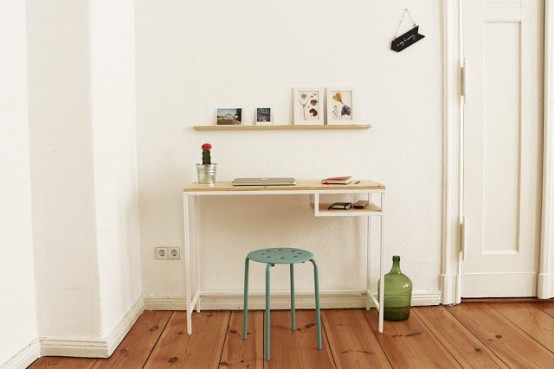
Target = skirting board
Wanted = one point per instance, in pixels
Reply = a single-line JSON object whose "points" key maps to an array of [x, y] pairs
{"points": [[234, 301], [449, 288], [545, 286], [23, 358], [101, 348]]}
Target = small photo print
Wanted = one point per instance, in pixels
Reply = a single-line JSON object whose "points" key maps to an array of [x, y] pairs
{"points": [[308, 106], [229, 116], [263, 116], [340, 103]]}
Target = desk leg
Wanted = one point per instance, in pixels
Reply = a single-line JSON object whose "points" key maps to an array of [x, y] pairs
{"points": [[382, 267], [187, 259], [368, 257]]}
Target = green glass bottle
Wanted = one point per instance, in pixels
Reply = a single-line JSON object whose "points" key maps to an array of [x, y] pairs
{"points": [[398, 293]]}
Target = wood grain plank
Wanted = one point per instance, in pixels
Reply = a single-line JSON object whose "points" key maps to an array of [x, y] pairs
{"points": [[458, 340], [513, 346], [55, 362], [202, 349], [409, 344], [297, 349], [139, 342], [352, 341], [535, 322], [240, 353], [546, 306]]}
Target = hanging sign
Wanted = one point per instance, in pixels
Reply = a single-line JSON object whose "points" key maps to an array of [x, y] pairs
{"points": [[407, 39]]}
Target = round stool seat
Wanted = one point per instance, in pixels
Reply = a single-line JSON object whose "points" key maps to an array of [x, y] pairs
{"points": [[281, 255]]}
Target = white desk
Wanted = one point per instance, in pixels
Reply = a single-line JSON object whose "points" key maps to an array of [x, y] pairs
{"points": [[317, 193]]}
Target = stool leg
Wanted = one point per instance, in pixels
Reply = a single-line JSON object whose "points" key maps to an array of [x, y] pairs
{"points": [[245, 314], [317, 310], [267, 319], [292, 304]]}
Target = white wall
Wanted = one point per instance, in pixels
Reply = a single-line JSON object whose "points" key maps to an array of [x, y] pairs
{"points": [[17, 311], [64, 223], [83, 160], [115, 173], [194, 57]]}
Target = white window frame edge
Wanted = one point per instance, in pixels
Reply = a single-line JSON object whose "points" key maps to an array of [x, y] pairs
{"points": [[545, 284], [450, 278]]}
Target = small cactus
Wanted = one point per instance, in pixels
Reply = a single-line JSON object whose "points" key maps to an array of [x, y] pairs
{"points": [[206, 156]]}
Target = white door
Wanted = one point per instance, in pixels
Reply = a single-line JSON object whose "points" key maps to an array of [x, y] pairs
{"points": [[503, 44]]}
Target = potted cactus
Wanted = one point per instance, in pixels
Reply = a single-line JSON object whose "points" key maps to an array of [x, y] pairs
{"points": [[207, 170]]}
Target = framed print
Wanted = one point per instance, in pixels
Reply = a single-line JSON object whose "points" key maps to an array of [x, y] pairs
{"points": [[229, 116], [308, 106], [263, 116], [340, 105]]}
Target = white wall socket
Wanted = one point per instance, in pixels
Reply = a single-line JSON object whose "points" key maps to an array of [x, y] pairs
{"points": [[167, 253], [174, 253], [161, 253]]}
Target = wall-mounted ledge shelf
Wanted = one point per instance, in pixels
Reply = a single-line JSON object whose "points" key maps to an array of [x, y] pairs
{"points": [[275, 127]]}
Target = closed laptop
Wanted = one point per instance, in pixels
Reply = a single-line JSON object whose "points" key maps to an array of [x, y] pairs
{"points": [[284, 181]]}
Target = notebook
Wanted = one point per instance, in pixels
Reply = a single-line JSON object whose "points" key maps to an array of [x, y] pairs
{"points": [[285, 181]]}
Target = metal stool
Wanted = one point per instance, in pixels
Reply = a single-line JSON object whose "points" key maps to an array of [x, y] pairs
{"points": [[280, 256]]}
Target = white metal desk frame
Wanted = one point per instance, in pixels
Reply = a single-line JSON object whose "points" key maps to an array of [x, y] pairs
{"points": [[312, 188]]}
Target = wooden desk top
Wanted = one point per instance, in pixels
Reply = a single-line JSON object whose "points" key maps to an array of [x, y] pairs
{"points": [[299, 186]]}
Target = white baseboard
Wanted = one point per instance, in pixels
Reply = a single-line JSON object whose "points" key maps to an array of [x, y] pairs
{"points": [[23, 358], [234, 301], [449, 288], [100, 348], [545, 286]]}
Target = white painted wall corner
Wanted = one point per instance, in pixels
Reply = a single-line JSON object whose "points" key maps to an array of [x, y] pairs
{"points": [[23, 358], [102, 348]]}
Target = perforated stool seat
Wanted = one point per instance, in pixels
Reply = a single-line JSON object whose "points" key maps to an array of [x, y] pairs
{"points": [[281, 255]]}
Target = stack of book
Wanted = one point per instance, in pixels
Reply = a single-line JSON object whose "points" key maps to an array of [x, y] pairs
{"points": [[337, 180]]}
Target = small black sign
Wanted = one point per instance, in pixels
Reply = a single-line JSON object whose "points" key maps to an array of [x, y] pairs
{"points": [[407, 39]]}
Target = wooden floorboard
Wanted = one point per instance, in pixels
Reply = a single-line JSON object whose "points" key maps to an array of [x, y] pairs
{"points": [[504, 334], [532, 320], [54, 362], [177, 350], [135, 349], [468, 351], [351, 340], [238, 352], [546, 306], [409, 344], [513, 346], [297, 349]]}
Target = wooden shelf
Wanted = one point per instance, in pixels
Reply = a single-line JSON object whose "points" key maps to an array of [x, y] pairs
{"points": [[281, 127]]}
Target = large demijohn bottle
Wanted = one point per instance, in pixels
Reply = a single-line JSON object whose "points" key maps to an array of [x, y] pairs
{"points": [[398, 293]]}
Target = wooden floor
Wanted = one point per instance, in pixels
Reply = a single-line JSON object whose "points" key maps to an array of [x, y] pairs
{"points": [[469, 335]]}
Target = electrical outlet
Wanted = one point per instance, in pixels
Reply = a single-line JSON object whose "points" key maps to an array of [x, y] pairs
{"points": [[161, 253], [173, 253]]}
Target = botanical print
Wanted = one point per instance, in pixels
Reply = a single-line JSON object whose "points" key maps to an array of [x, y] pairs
{"points": [[339, 105], [308, 106], [339, 108]]}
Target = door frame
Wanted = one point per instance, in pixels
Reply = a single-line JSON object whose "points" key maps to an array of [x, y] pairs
{"points": [[453, 170]]}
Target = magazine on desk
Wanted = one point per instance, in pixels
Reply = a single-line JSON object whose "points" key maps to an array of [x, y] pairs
{"points": [[337, 180]]}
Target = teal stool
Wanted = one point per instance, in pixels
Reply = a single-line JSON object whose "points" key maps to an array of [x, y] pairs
{"points": [[280, 256]]}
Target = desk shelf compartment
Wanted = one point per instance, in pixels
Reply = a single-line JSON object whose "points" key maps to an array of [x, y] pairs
{"points": [[321, 209]]}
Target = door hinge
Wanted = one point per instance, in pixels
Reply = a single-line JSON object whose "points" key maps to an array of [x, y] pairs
{"points": [[463, 80], [463, 236]]}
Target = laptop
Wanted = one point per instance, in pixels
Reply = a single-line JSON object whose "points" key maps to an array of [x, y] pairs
{"points": [[285, 181]]}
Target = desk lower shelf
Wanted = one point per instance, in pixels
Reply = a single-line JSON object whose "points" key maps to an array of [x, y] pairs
{"points": [[323, 211]]}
